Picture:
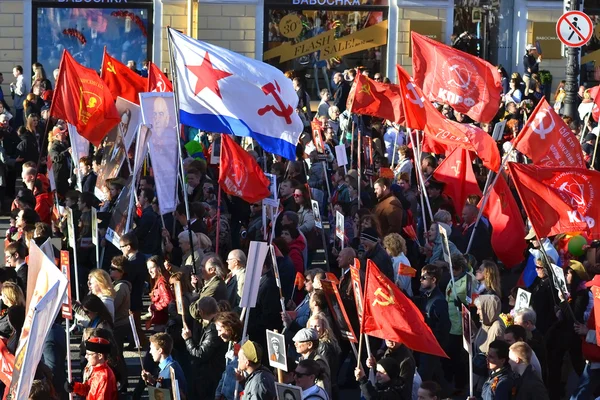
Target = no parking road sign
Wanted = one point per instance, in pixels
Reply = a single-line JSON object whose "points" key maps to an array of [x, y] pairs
{"points": [[574, 28]]}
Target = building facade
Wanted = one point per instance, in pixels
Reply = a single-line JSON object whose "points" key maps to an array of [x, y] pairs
{"points": [[312, 37]]}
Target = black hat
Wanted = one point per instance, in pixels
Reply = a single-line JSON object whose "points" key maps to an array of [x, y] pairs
{"points": [[370, 235], [45, 107], [391, 367], [97, 345], [435, 184]]}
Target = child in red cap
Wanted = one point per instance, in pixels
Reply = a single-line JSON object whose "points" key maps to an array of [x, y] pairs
{"points": [[101, 383]]}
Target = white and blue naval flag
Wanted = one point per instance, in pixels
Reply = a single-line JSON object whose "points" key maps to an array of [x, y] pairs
{"points": [[224, 92]]}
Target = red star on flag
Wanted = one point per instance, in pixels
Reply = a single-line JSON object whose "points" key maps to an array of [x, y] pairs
{"points": [[207, 75]]}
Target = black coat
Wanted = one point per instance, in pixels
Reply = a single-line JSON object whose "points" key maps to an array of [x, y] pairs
{"points": [[267, 313], [392, 390], [22, 278], [136, 273], [208, 356], [27, 149], [436, 315], [61, 165], [481, 248], [530, 386], [88, 182], [340, 96], [147, 231], [382, 259]]}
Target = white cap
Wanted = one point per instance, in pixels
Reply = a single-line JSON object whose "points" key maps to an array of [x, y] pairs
{"points": [[529, 47]]}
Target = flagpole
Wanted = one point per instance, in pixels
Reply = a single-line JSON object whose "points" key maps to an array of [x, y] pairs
{"points": [[69, 367], [359, 165], [326, 180], [218, 219], [420, 178], [585, 121], [182, 170], [594, 156], [394, 151], [352, 145]]}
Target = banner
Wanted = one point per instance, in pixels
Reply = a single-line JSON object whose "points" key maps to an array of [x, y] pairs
{"points": [[158, 113], [117, 144], [336, 306], [80, 147], [67, 307], [46, 301], [257, 254], [118, 219]]}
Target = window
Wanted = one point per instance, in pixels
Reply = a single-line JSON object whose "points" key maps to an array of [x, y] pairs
{"points": [[126, 33]]}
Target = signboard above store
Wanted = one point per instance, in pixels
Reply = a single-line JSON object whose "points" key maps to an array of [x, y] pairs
{"points": [[356, 4], [329, 46]]}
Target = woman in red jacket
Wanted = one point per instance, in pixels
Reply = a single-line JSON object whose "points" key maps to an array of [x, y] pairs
{"points": [[296, 245], [160, 295]]}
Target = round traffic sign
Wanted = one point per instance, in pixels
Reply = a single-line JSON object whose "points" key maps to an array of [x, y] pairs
{"points": [[574, 28]]}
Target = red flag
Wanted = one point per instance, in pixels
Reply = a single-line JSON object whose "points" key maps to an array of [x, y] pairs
{"points": [[122, 81], [407, 270], [376, 99], [508, 231], [299, 281], [157, 80], [451, 134], [457, 171], [558, 199], [469, 84], [82, 99], [389, 314], [548, 141], [240, 175], [7, 362], [331, 277], [413, 106], [596, 293]]}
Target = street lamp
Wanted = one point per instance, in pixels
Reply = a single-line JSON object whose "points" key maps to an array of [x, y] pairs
{"points": [[572, 81]]}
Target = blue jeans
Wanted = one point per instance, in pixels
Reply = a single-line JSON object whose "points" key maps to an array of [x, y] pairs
{"points": [[588, 382]]}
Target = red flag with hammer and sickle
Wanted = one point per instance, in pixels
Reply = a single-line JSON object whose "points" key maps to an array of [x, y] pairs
{"points": [[82, 99], [377, 99], [389, 314], [122, 81], [469, 84], [239, 174], [157, 80], [548, 141]]}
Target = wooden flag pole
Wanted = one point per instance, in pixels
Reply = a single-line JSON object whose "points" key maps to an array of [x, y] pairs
{"points": [[352, 145], [218, 218]]}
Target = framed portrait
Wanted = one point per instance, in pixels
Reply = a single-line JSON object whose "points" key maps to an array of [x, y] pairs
{"points": [[272, 199], [338, 311], [523, 299], [288, 392], [317, 214], [277, 350], [339, 225], [155, 393]]}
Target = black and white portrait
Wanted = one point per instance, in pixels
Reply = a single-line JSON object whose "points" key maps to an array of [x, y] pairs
{"points": [[288, 392], [277, 350]]}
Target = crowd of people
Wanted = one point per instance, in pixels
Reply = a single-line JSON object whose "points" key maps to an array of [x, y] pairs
{"points": [[525, 353]]}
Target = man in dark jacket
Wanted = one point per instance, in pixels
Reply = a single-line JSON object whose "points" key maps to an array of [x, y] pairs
{"points": [[529, 385], [15, 254], [88, 176], [481, 248], [531, 63], [259, 382], [207, 350], [147, 227], [375, 252], [60, 154], [388, 210], [267, 313], [136, 273], [437, 318], [389, 385], [406, 363], [340, 96]]}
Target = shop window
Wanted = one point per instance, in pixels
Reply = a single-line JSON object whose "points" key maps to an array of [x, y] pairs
{"points": [[85, 31], [315, 44]]}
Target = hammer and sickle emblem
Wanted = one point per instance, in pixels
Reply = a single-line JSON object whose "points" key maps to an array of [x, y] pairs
{"points": [[415, 99], [111, 68], [366, 88], [284, 111], [382, 298], [456, 168], [539, 126], [462, 77], [92, 102]]}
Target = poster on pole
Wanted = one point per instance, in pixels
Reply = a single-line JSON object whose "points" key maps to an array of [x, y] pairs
{"points": [[118, 218], [272, 199], [80, 147], [336, 306], [67, 306], [340, 155], [94, 226], [277, 350], [71, 229], [316, 214], [158, 112], [257, 253], [523, 299], [339, 225], [466, 321], [558, 276]]}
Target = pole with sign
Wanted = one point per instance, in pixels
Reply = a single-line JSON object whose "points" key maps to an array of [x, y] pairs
{"points": [[73, 245], [574, 29], [67, 310]]}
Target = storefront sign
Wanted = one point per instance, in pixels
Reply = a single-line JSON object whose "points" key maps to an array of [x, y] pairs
{"points": [[329, 46], [290, 26], [431, 29], [545, 34], [356, 4]]}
